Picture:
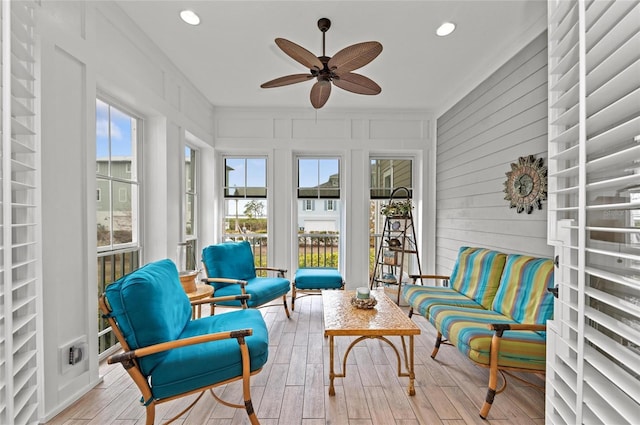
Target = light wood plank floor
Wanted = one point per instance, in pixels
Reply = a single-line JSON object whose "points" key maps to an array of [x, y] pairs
{"points": [[292, 388]]}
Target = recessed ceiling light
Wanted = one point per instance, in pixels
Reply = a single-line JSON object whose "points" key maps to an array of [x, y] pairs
{"points": [[190, 17], [445, 29]]}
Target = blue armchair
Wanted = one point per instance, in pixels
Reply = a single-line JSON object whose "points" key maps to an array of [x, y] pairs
{"points": [[167, 354], [231, 270]]}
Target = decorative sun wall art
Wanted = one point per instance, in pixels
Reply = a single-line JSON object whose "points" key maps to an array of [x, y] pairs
{"points": [[526, 185]]}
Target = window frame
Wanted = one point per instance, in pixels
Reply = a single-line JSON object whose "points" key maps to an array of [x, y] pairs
{"points": [[193, 193], [133, 180]]}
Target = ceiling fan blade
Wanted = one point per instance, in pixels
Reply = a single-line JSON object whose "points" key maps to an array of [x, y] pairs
{"points": [[286, 80], [320, 93], [357, 83], [299, 54], [354, 57]]}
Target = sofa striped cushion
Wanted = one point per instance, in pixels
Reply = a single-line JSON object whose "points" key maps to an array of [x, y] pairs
{"points": [[422, 298], [476, 274], [523, 294], [467, 329]]}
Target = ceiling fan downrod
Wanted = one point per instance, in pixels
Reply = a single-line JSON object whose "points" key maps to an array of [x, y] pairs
{"points": [[323, 25]]}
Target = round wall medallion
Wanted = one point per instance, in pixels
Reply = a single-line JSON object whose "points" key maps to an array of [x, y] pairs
{"points": [[526, 185]]}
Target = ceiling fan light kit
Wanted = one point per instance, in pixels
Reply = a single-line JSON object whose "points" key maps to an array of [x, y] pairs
{"points": [[330, 71]]}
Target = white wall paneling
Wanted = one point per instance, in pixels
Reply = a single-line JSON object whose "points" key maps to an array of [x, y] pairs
{"points": [[502, 119], [88, 48], [351, 136]]}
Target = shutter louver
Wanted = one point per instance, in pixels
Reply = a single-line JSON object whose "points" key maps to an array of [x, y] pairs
{"points": [[18, 364], [594, 211]]}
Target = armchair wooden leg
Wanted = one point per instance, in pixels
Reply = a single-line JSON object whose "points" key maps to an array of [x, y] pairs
{"points": [[151, 413], [293, 298], [246, 382], [437, 346], [286, 309]]}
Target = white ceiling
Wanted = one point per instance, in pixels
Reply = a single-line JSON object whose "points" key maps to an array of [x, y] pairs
{"points": [[232, 51]]}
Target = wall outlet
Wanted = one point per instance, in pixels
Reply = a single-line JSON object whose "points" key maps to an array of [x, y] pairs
{"points": [[72, 354], [75, 354]]}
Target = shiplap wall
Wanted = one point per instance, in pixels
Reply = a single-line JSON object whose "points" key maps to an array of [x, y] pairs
{"points": [[505, 117]]}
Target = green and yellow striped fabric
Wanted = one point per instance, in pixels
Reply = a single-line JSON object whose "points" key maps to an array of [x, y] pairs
{"points": [[422, 298], [476, 274], [467, 329], [522, 294]]}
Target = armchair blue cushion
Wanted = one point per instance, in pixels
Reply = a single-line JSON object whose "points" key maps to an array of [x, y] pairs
{"points": [[149, 307], [234, 260]]}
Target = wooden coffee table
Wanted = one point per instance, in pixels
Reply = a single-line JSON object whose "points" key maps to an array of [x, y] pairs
{"points": [[385, 319]]}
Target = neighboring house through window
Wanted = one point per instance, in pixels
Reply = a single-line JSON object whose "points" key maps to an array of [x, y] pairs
{"points": [[117, 209]]}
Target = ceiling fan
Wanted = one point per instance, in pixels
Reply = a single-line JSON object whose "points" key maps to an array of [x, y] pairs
{"points": [[327, 70]]}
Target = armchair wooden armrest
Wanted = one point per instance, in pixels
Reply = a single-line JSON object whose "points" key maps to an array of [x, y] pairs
{"points": [[281, 272], [127, 356], [240, 282], [213, 300]]}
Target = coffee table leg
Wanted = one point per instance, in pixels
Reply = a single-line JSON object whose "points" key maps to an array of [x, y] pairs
{"points": [[332, 375], [412, 375]]}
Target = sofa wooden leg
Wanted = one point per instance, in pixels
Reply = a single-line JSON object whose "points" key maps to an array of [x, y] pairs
{"points": [[437, 346], [410, 312], [492, 391], [493, 373]]}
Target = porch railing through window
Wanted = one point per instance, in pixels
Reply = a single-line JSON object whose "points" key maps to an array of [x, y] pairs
{"points": [[112, 266], [318, 249]]}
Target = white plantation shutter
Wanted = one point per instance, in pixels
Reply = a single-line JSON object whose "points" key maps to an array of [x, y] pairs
{"points": [[594, 212], [20, 234]]}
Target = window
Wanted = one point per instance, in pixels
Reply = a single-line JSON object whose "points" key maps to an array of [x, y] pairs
{"points": [[246, 207], [190, 206], [318, 229], [116, 144], [318, 178], [116, 203], [386, 174]]}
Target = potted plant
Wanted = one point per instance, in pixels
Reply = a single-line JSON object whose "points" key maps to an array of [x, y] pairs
{"points": [[397, 208]]}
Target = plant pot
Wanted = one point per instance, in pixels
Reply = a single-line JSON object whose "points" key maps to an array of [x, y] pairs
{"points": [[188, 280]]}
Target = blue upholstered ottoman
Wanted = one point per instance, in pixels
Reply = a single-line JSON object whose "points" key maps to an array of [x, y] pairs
{"points": [[314, 279]]}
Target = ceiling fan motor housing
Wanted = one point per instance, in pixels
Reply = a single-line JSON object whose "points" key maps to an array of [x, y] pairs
{"points": [[324, 24]]}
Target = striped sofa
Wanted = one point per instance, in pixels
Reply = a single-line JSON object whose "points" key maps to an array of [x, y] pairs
{"points": [[494, 311]]}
